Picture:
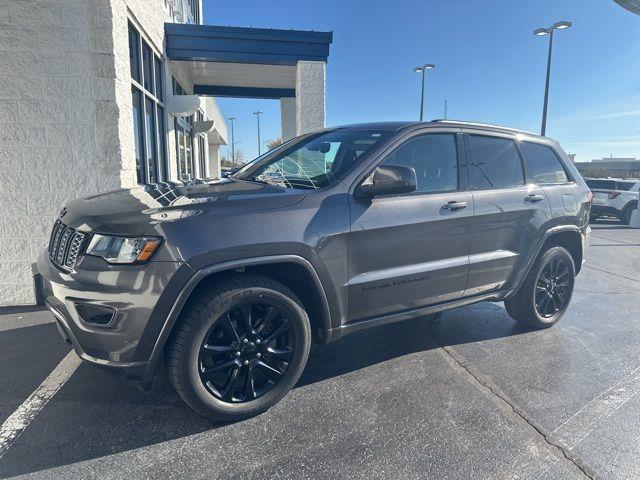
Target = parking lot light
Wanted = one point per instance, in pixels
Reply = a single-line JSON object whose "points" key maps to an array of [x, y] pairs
{"points": [[541, 32], [422, 69]]}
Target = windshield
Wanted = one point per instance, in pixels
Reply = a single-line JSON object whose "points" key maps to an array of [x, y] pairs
{"points": [[313, 162]]}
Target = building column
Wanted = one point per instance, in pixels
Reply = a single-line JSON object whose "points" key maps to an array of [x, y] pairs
{"points": [[310, 85], [213, 161], [287, 118]]}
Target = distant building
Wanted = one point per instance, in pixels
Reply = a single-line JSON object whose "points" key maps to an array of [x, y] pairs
{"points": [[610, 167]]}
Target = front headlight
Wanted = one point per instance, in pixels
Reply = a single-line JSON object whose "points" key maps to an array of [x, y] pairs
{"points": [[122, 249]]}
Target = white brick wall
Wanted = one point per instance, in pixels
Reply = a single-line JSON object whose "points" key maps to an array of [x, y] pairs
{"points": [[66, 127], [57, 108], [310, 104]]}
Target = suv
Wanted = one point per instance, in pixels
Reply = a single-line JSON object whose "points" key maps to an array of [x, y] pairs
{"points": [[616, 198], [330, 233]]}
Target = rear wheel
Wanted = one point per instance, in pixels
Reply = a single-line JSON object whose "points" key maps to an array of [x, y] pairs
{"points": [[239, 347], [546, 292]]}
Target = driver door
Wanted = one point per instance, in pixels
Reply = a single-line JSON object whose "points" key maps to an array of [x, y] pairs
{"points": [[412, 250]]}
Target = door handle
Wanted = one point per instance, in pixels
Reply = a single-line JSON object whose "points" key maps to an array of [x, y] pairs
{"points": [[534, 197], [453, 205]]}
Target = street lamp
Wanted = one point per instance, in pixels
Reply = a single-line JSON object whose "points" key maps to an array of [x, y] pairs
{"points": [[233, 143], [423, 69], [541, 32], [257, 114]]}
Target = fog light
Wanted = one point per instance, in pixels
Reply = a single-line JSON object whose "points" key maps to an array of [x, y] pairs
{"points": [[95, 314]]}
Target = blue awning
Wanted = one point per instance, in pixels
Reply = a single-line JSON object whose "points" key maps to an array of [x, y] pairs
{"points": [[210, 43]]}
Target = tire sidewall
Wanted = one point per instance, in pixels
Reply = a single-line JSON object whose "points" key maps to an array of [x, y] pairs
{"points": [[542, 262], [200, 398]]}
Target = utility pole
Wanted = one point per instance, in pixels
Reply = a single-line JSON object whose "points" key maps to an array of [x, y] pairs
{"points": [[423, 69], [445, 108], [257, 114]]}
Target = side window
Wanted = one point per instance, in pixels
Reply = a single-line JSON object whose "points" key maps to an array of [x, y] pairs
{"points": [[543, 164], [494, 163], [434, 158]]}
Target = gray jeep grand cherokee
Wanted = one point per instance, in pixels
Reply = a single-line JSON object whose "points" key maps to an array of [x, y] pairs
{"points": [[332, 232]]}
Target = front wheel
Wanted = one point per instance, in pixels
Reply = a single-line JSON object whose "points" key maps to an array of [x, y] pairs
{"points": [[546, 292], [238, 347]]}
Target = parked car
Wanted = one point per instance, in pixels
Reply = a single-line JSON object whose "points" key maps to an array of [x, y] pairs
{"points": [[615, 198], [231, 281]]}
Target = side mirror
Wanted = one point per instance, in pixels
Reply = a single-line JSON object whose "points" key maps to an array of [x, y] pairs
{"points": [[388, 180]]}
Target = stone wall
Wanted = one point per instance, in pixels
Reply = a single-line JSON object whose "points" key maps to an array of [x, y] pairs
{"points": [[58, 124]]}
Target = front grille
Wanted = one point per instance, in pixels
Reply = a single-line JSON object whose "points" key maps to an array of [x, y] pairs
{"points": [[65, 245]]}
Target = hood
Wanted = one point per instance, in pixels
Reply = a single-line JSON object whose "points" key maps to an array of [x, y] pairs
{"points": [[134, 211]]}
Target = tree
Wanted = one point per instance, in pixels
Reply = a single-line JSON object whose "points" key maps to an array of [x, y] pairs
{"points": [[273, 143], [593, 172]]}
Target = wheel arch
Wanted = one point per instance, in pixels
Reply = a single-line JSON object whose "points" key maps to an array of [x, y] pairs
{"points": [[293, 271], [567, 236]]}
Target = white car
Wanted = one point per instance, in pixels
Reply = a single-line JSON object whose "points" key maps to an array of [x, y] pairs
{"points": [[611, 197]]}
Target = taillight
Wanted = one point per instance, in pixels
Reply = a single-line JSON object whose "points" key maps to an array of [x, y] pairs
{"points": [[589, 196], [613, 195]]}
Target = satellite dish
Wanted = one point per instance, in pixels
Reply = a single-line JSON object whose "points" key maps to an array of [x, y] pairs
{"points": [[631, 5]]}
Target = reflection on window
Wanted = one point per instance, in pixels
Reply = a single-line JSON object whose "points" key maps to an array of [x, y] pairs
{"points": [[433, 157], [315, 161], [543, 165], [494, 163]]}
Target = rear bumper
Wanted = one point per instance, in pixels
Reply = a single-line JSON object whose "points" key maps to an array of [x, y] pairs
{"points": [[130, 292], [605, 210]]}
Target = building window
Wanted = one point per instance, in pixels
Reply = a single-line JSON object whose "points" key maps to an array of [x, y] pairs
{"points": [[184, 140], [148, 109]]}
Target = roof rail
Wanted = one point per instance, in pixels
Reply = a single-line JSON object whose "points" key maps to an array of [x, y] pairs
{"points": [[478, 124]]}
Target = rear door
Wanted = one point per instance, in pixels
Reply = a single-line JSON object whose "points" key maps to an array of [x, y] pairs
{"points": [[508, 211], [411, 250]]}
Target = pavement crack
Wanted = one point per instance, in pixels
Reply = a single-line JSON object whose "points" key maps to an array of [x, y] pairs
{"points": [[614, 274], [502, 399]]}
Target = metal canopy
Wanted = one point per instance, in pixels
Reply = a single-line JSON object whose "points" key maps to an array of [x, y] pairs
{"points": [[265, 46]]}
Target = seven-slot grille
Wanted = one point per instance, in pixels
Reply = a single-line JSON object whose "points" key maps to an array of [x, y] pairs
{"points": [[65, 245]]}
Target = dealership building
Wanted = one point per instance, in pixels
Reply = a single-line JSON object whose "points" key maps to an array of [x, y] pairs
{"points": [[103, 94]]}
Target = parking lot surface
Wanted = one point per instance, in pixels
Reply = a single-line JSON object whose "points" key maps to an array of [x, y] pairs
{"points": [[470, 394]]}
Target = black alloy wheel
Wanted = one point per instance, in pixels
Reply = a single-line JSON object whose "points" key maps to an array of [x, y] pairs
{"points": [[247, 351], [553, 287]]}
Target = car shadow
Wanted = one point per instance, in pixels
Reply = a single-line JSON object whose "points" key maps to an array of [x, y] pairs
{"points": [[97, 414]]}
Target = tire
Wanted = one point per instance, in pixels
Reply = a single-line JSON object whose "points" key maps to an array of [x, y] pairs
{"points": [[524, 307], [627, 212], [210, 334]]}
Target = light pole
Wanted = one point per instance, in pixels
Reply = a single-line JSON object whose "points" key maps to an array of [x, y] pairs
{"points": [[233, 143], [423, 69], [541, 32], [257, 114]]}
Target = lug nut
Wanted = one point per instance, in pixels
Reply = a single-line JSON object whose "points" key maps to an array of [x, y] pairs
{"points": [[246, 362], [258, 355], [258, 341], [238, 354], [244, 340]]}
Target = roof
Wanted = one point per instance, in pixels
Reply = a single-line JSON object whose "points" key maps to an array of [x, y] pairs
{"points": [[397, 125], [213, 43]]}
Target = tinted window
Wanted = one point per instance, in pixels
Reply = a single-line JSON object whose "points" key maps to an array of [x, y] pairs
{"points": [[543, 165], [601, 184], [434, 159], [494, 163], [624, 185]]}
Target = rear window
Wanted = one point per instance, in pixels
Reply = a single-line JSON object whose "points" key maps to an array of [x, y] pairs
{"points": [[601, 184], [494, 163], [543, 164], [624, 185]]}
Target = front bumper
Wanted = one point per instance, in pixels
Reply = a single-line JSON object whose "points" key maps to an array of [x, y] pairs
{"points": [[132, 292]]}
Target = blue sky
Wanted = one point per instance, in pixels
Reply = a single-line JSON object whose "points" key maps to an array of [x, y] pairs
{"points": [[490, 66]]}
